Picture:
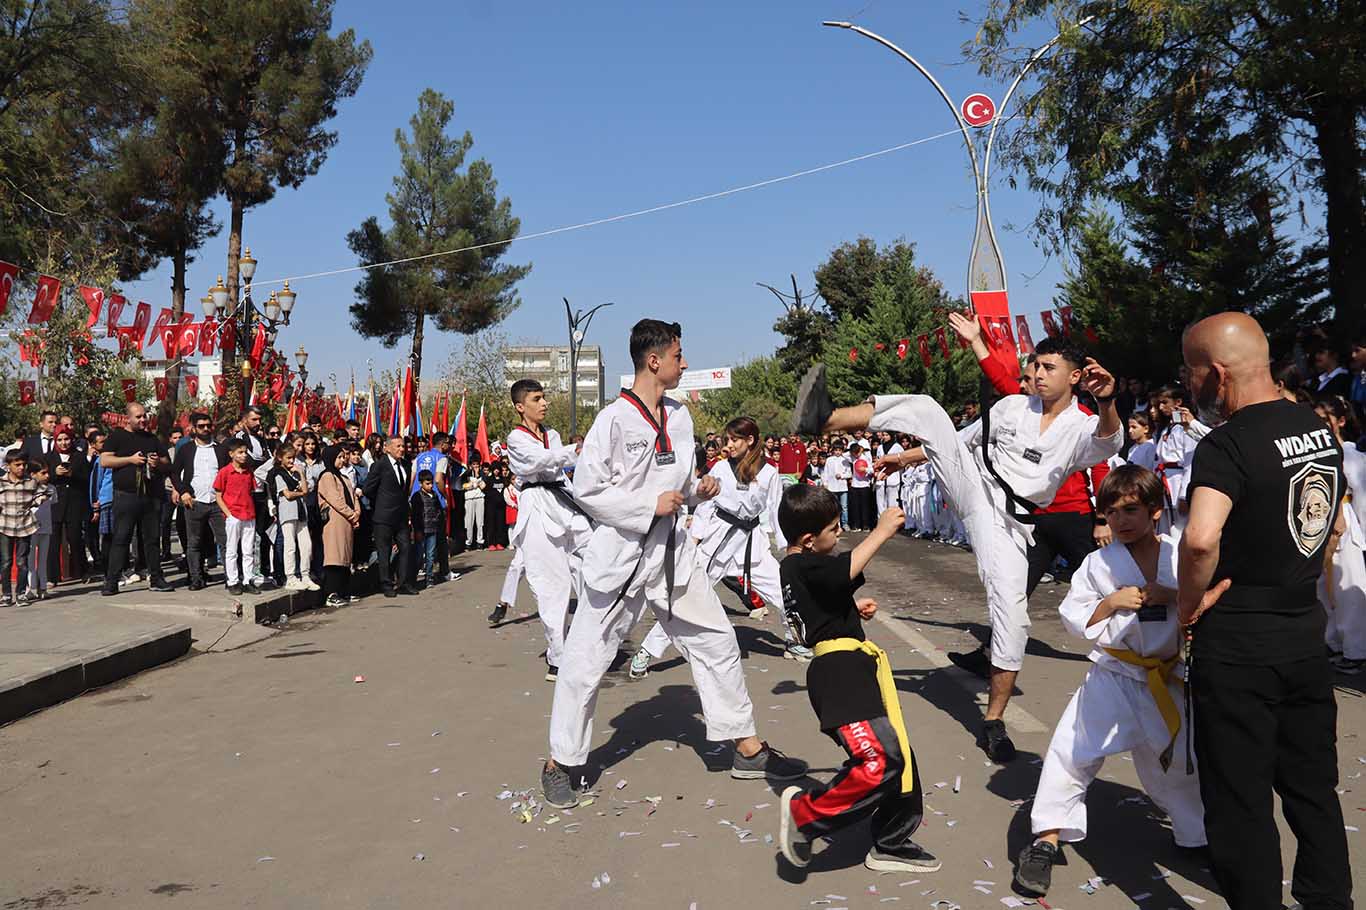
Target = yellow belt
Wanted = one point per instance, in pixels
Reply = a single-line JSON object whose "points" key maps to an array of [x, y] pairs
{"points": [[887, 686], [1159, 671]]}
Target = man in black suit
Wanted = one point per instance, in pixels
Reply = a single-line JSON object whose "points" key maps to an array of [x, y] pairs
{"points": [[193, 470], [387, 487], [69, 474], [38, 447]]}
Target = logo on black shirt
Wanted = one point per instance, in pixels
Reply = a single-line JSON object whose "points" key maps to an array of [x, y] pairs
{"points": [[1313, 496]]}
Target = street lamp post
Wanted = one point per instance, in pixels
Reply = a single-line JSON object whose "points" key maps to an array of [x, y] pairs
{"points": [[578, 328], [244, 315]]}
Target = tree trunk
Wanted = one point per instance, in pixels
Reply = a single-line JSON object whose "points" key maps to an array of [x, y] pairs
{"points": [[1335, 134], [169, 407], [416, 356]]}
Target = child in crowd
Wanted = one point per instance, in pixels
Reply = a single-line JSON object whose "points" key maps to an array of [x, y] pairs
{"points": [[851, 690], [1123, 601], [233, 488], [1142, 449], [19, 497], [1175, 439], [429, 519], [42, 539], [1342, 586], [288, 490], [475, 482]]}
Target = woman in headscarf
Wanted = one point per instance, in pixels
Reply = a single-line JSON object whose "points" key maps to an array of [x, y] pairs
{"points": [[340, 503]]}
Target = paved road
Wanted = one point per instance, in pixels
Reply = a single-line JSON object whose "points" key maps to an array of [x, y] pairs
{"points": [[266, 777]]}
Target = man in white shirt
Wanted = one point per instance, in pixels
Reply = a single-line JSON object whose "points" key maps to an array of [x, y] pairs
{"points": [[193, 470], [633, 477], [994, 474]]}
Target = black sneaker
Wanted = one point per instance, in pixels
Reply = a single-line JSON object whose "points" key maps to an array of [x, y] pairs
{"points": [[909, 857], [499, 614], [766, 764], [975, 662], [794, 846], [813, 406], [254, 588], [552, 672], [160, 587], [996, 742], [557, 788], [1034, 868], [235, 590]]}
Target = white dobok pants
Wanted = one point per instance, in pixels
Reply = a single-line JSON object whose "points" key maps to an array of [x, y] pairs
{"points": [[1109, 715], [1000, 552], [514, 577], [551, 571], [712, 652]]}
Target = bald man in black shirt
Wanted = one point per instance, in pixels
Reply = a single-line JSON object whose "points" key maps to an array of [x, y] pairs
{"points": [[1264, 492]]}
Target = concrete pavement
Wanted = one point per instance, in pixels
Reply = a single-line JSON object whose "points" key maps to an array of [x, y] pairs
{"points": [[268, 777]]}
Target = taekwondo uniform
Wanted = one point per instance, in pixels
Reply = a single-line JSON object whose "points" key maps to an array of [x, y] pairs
{"points": [[635, 560], [1131, 701], [889, 487], [1175, 446], [550, 530], [1342, 586], [1034, 465], [725, 528]]}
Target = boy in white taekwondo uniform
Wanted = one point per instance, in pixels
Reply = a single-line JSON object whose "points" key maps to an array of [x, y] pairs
{"points": [[1033, 442], [1122, 601], [551, 529], [888, 485], [730, 542], [633, 476]]}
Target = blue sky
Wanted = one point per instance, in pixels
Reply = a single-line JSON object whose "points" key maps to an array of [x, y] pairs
{"points": [[589, 110]]}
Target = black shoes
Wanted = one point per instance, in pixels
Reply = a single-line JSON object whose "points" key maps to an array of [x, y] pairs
{"points": [[975, 662], [408, 589], [390, 592], [1034, 868], [161, 587], [996, 742], [499, 614], [198, 585], [909, 857], [813, 406]]}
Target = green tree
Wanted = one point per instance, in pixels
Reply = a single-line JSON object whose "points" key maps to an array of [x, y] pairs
{"points": [[435, 207], [762, 389], [1131, 87]]}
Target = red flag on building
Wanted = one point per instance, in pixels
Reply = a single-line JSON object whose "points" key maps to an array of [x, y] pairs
{"points": [[220, 386], [130, 389], [8, 272], [192, 386], [481, 438], [160, 384], [27, 391], [114, 305], [94, 300], [943, 340], [45, 299], [923, 343], [1022, 334], [903, 347], [853, 355]]}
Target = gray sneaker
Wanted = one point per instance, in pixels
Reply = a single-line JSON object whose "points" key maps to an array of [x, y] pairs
{"points": [[557, 788], [794, 846], [910, 858], [640, 665], [799, 653], [766, 764], [813, 406]]}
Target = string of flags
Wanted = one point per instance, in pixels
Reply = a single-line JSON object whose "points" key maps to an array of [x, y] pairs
{"points": [[997, 331]]}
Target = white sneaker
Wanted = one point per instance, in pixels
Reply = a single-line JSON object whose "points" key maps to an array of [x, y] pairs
{"points": [[133, 578], [759, 613], [311, 585], [295, 584]]}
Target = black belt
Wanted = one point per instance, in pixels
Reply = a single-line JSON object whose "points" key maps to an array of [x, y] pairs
{"points": [[747, 525], [558, 489], [1013, 500], [670, 549]]}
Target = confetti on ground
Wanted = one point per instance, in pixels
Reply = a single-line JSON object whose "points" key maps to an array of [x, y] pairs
{"points": [[419, 856], [392, 745], [434, 770], [958, 783], [988, 864], [762, 806], [626, 834], [671, 844], [454, 828], [359, 678], [1192, 898], [980, 888], [982, 881], [951, 822], [914, 881], [265, 859], [621, 784]]}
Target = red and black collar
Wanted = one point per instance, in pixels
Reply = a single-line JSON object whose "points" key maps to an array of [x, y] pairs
{"points": [[543, 438], [660, 426]]}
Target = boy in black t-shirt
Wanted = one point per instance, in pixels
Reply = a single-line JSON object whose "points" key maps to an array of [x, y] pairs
{"points": [[851, 690]]}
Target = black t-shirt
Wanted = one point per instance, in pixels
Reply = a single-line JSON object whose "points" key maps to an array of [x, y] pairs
{"points": [[132, 478], [818, 597], [1282, 469]]}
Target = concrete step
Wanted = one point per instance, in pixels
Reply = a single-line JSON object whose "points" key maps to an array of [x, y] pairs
{"points": [[57, 649]]}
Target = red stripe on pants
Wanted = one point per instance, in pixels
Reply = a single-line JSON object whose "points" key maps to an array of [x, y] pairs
{"points": [[856, 782]]}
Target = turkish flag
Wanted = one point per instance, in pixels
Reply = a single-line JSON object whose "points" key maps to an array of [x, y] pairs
{"points": [[228, 339], [1091, 335], [159, 330], [160, 384], [1065, 313], [142, 318], [923, 343], [1050, 327], [187, 337], [114, 308], [192, 385], [1004, 323], [943, 340], [208, 336], [1022, 333], [94, 299], [130, 389], [220, 385], [27, 390], [879, 347], [8, 272], [853, 355], [902, 348], [45, 299], [258, 345], [277, 387], [128, 338]]}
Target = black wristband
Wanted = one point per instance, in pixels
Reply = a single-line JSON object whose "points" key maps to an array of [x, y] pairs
{"points": [[1100, 521], [1104, 399]]}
